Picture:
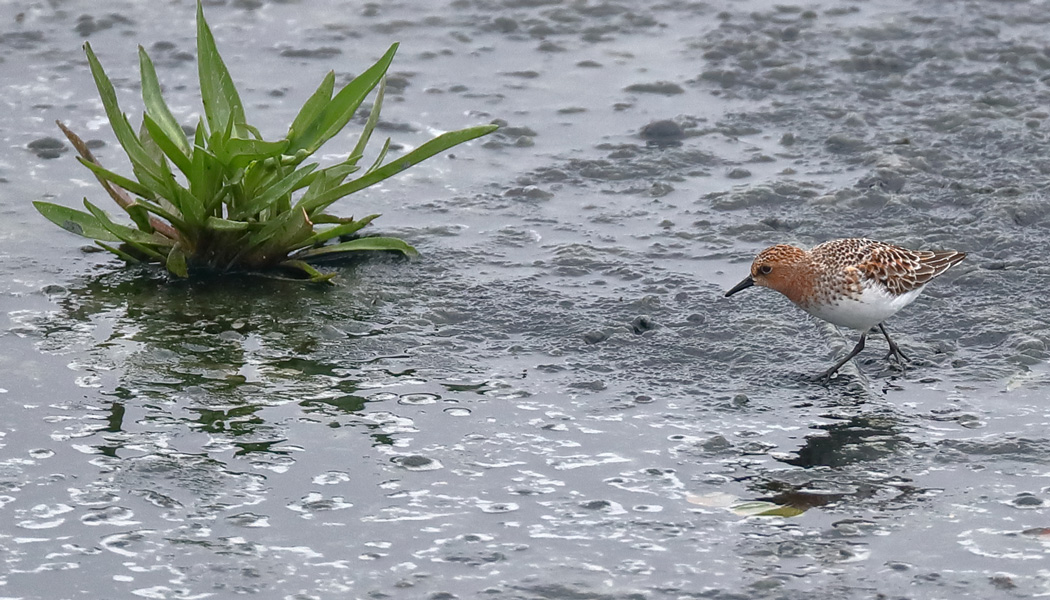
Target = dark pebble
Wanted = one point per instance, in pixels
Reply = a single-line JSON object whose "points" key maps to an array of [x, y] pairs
{"points": [[47, 147], [593, 337], [641, 324], [414, 461], [664, 88], [1027, 501], [662, 130]]}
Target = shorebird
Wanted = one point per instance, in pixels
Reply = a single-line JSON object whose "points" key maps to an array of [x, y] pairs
{"points": [[852, 282]]}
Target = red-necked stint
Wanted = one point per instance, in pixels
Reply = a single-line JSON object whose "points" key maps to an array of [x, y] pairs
{"points": [[851, 282]]}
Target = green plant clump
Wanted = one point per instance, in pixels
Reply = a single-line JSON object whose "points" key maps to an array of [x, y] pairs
{"points": [[242, 203]]}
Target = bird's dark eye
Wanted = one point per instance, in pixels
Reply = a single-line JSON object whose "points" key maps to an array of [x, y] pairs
{"points": [[765, 270]]}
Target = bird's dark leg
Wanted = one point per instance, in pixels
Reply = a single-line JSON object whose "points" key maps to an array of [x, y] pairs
{"points": [[895, 351], [825, 377]]}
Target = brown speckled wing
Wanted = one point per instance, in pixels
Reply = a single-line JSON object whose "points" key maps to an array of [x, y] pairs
{"points": [[902, 270]]}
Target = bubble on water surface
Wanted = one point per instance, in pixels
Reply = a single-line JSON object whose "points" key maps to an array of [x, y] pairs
{"points": [[418, 399], [498, 507]]}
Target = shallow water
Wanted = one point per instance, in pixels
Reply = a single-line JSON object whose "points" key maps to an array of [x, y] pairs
{"points": [[554, 400]]}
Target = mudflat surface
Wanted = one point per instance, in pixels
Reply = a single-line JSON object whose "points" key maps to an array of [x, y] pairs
{"points": [[554, 400]]}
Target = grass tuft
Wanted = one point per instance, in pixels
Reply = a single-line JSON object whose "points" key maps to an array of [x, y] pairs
{"points": [[224, 199]]}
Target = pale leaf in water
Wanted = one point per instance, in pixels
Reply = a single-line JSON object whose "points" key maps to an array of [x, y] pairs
{"points": [[758, 508], [713, 500]]}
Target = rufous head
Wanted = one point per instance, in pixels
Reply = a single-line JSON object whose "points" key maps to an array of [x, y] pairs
{"points": [[773, 268]]}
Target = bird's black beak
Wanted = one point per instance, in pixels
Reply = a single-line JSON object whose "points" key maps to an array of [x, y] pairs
{"points": [[746, 283]]}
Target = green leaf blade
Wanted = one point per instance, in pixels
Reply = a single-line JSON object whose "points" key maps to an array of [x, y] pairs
{"points": [[313, 275], [75, 221], [338, 112], [361, 244], [274, 193], [157, 109], [175, 262], [145, 167], [206, 170], [240, 152], [313, 107], [119, 180], [370, 124], [222, 103], [170, 147], [340, 230], [190, 206], [120, 253], [141, 241], [140, 216], [217, 224]]}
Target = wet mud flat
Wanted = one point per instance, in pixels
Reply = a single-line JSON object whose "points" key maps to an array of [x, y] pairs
{"points": [[554, 401]]}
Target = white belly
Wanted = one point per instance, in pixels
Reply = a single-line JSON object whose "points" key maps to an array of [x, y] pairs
{"points": [[873, 306]]}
